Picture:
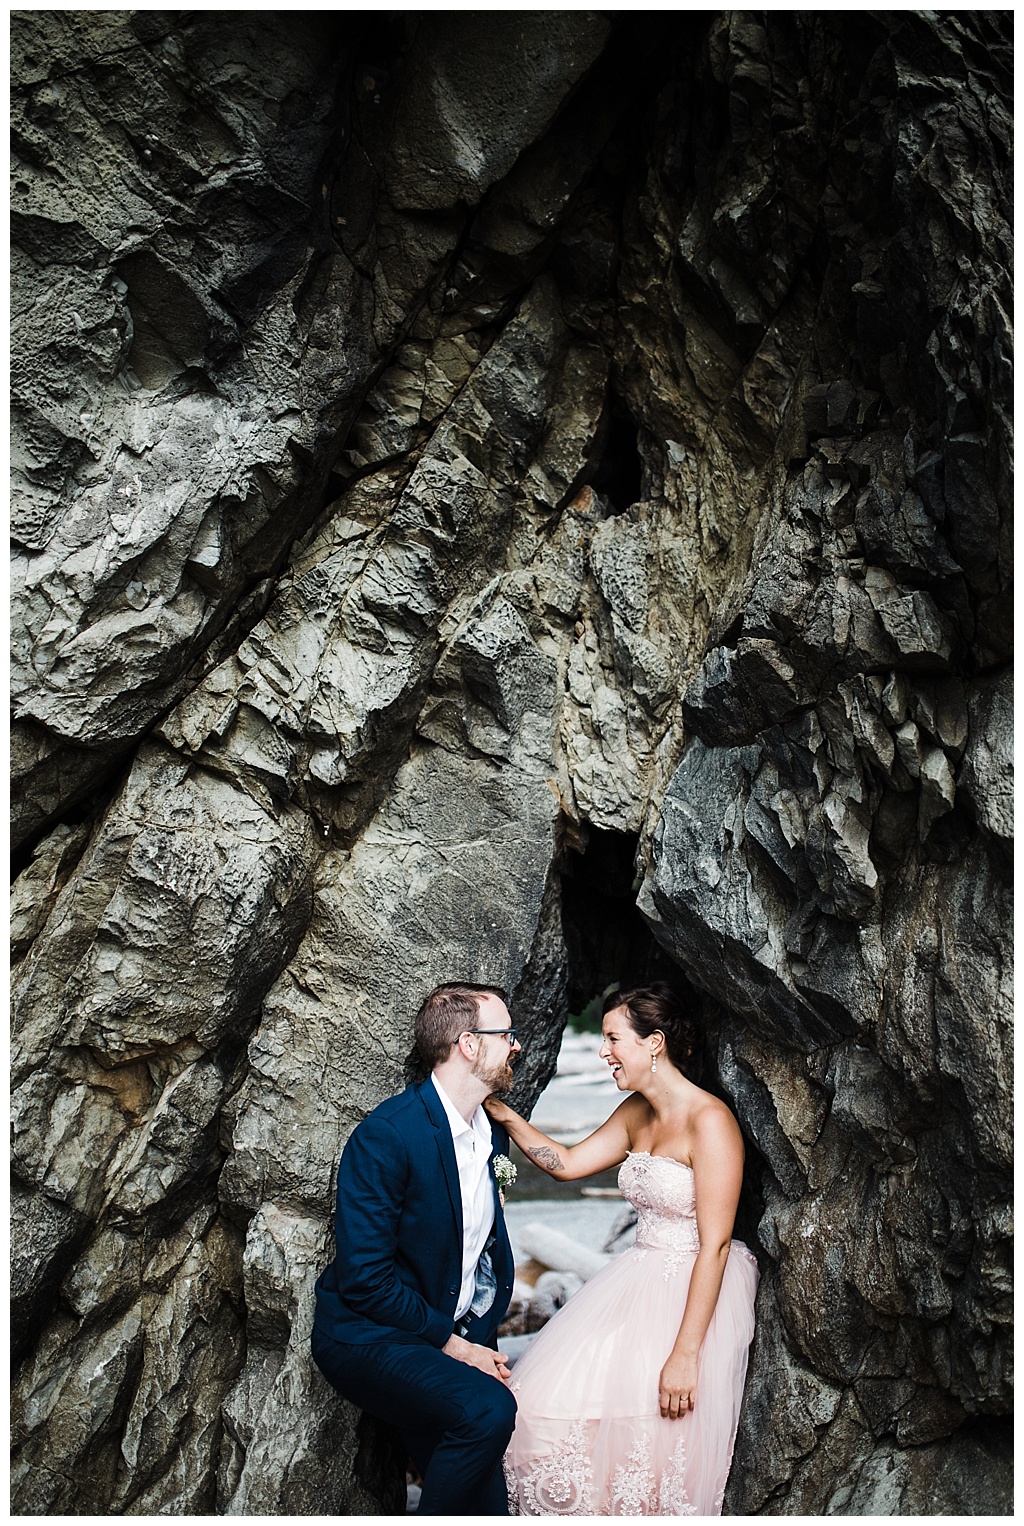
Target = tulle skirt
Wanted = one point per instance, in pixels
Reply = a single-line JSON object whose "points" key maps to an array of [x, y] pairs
{"points": [[589, 1436]]}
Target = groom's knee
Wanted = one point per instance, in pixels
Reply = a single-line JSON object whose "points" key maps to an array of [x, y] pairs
{"points": [[491, 1417]]}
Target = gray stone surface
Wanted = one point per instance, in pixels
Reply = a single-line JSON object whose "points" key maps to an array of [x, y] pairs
{"points": [[443, 442]]}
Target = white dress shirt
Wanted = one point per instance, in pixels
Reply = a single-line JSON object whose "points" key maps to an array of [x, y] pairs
{"points": [[473, 1146]]}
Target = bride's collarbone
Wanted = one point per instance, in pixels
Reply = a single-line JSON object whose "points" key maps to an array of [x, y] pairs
{"points": [[672, 1130], [670, 1136]]}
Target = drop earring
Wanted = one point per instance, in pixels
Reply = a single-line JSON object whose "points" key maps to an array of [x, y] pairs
{"points": [[654, 1062]]}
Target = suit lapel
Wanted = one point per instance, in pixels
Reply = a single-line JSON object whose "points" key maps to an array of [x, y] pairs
{"points": [[495, 1142], [446, 1148], [499, 1144]]}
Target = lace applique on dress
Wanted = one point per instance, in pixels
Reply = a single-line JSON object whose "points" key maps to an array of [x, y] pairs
{"points": [[665, 1217], [633, 1177], [674, 1499], [559, 1484], [633, 1485], [511, 1484]]}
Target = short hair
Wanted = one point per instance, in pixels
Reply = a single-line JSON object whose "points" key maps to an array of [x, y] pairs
{"points": [[448, 1011], [657, 1008]]}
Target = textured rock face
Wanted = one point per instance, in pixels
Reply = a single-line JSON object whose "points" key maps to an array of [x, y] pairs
{"points": [[453, 453]]}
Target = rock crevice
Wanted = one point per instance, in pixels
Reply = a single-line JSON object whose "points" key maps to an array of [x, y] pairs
{"points": [[523, 497]]}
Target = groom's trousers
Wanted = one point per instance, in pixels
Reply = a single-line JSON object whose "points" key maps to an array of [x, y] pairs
{"points": [[455, 1420]]}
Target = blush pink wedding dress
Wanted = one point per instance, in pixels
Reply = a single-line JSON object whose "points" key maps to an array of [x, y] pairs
{"points": [[589, 1436]]}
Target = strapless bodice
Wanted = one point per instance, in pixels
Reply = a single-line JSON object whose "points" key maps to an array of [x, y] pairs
{"points": [[661, 1190]]}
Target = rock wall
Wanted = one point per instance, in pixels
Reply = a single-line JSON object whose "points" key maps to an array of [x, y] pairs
{"points": [[456, 450]]}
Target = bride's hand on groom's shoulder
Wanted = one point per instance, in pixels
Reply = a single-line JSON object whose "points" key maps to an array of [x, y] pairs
{"points": [[499, 1111]]}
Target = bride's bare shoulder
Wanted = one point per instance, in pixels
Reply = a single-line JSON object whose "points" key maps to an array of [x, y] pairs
{"points": [[712, 1122]]}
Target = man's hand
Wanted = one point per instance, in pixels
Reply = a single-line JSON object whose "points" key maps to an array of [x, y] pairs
{"points": [[491, 1362]]}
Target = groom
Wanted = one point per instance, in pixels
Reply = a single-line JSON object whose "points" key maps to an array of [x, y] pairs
{"points": [[408, 1311]]}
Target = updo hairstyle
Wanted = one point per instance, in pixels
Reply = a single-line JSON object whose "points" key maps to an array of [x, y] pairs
{"points": [[658, 1009]]}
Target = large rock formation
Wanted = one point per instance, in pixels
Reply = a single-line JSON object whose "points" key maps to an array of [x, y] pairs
{"points": [[481, 473]]}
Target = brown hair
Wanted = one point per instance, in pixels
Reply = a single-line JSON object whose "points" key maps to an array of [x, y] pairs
{"points": [[448, 1011], [658, 1009]]}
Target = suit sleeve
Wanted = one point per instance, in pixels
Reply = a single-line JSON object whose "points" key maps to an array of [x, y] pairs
{"points": [[371, 1181]]}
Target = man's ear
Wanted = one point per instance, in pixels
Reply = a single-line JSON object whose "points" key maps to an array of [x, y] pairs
{"points": [[465, 1045]]}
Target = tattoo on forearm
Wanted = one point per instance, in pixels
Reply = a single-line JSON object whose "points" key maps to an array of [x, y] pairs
{"points": [[549, 1159]]}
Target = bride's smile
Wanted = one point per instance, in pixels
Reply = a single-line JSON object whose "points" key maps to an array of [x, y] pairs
{"points": [[629, 1056]]}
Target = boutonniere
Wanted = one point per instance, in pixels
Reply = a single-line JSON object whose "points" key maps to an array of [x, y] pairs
{"points": [[504, 1174]]}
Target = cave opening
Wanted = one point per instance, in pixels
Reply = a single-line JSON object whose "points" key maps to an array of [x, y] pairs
{"points": [[607, 945], [618, 476], [607, 941]]}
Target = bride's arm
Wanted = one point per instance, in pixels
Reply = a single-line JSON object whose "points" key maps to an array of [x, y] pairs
{"points": [[718, 1175], [605, 1147]]}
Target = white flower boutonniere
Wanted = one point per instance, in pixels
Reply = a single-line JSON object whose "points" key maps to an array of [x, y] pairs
{"points": [[504, 1174]]}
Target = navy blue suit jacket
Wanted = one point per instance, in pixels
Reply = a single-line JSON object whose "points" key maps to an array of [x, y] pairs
{"points": [[398, 1230]]}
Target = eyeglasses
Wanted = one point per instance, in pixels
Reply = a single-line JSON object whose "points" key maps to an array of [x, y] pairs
{"points": [[501, 1033]]}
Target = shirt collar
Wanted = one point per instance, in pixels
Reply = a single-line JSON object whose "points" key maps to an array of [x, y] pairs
{"points": [[458, 1124]]}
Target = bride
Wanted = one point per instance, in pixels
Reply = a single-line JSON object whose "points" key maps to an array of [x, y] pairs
{"points": [[629, 1398]]}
